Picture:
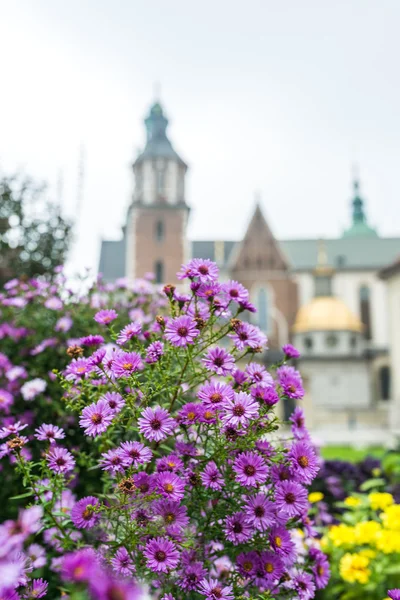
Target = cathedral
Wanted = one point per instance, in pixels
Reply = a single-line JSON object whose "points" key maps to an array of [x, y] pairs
{"points": [[327, 296]]}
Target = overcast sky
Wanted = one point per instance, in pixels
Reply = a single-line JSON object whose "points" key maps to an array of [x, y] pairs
{"points": [[281, 97]]}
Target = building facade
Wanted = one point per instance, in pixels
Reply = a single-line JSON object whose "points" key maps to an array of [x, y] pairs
{"points": [[281, 278]]}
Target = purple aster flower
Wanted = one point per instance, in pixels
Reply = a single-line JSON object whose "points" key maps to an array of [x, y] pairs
{"points": [[250, 469], [248, 336], [145, 483], [303, 584], [219, 360], [272, 566], [291, 497], [191, 575], [63, 324], [33, 388], [156, 424], [280, 472], [260, 512], [322, 572], [114, 400], [394, 594], [53, 303], [128, 332], [208, 290], [281, 542], [211, 477], [104, 317], [83, 514], [189, 413], [105, 586], [247, 563], [97, 357], [60, 460], [122, 563], [205, 269], [49, 433], [304, 461], [113, 461], [168, 597], [240, 410], [257, 373], [77, 369], [91, 340], [212, 589], [37, 589], [214, 393], [237, 530], [126, 363], [299, 429], [290, 351], [12, 429], [265, 394], [135, 453], [96, 418], [78, 566], [154, 352], [290, 381], [37, 554], [170, 486], [235, 291], [6, 400], [161, 555], [172, 513], [181, 331], [171, 462]]}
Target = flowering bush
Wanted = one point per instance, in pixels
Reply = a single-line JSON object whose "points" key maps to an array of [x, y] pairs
{"points": [[159, 458], [364, 548]]}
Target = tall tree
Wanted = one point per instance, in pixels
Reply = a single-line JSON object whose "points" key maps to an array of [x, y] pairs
{"points": [[34, 236]]}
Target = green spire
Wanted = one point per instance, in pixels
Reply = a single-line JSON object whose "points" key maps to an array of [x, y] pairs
{"points": [[156, 123], [359, 226]]}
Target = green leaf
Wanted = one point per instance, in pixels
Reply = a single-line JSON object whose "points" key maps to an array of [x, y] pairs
{"points": [[26, 495], [372, 483]]}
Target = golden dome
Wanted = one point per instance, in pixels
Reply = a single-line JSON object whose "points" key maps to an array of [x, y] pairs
{"points": [[326, 313]]}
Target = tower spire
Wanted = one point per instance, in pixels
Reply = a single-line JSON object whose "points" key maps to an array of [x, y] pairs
{"points": [[359, 224]]}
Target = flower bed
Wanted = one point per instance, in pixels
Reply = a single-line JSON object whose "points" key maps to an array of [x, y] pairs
{"points": [[140, 445]]}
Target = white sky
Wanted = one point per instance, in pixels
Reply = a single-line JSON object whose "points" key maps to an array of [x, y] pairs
{"points": [[280, 97]]}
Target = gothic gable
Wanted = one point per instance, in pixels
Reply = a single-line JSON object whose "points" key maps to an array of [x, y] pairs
{"points": [[259, 250]]}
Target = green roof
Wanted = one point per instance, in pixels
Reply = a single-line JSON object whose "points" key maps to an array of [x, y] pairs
{"points": [[157, 145]]}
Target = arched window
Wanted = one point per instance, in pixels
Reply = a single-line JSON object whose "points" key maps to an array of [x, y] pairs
{"points": [[384, 383], [159, 271], [263, 309], [160, 181], [365, 310], [159, 231]]}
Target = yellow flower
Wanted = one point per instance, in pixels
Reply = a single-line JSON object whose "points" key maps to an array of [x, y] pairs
{"points": [[366, 532], [380, 500], [391, 517], [354, 568], [315, 497], [388, 541], [352, 501], [342, 535]]}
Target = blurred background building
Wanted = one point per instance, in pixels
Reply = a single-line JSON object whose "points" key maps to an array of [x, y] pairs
{"points": [[327, 295]]}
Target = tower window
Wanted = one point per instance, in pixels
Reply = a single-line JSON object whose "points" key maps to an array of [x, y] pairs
{"points": [[159, 231], [308, 343], [160, 181], [384, 383], [263, 309], [159, 271], [365, 310]]}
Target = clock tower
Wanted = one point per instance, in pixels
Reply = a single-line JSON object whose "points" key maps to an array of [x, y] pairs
{"points": [[157, 218]]}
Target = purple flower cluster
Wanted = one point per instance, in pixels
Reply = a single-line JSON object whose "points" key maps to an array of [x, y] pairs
{"points": [[159, 465]]}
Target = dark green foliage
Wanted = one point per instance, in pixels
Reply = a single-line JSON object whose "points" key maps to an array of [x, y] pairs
{"points": [[34, 236]]}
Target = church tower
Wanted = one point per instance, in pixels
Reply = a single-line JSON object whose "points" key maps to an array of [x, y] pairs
{"points": [[156, 239]]}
